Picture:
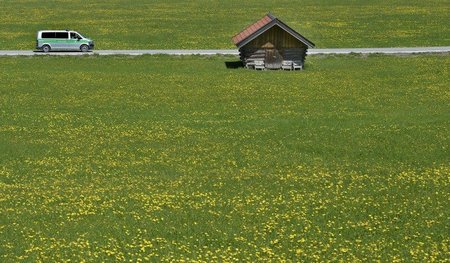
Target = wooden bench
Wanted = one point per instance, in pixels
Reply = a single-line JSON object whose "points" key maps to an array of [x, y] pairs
{"points": [[250, 64], [297, 65], [286, 65], [259, 64]]}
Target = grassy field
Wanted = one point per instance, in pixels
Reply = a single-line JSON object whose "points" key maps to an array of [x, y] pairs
{"points": [[206, 24], [163, 158]]}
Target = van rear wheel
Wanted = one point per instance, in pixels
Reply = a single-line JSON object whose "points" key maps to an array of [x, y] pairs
{"points": [[46, 48], [84, 48]]}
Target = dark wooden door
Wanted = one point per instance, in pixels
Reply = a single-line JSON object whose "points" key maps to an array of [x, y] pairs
{"points": [[273, 59]]}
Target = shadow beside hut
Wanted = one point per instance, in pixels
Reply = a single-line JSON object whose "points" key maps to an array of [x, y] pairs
{"points": [[234, 64]]}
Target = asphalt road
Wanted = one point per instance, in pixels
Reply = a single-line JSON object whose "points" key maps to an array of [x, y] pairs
{"points": [[314, 51]]}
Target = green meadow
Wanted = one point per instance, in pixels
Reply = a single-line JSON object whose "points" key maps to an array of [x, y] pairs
{"points": [[206, 24], [158, 158]]}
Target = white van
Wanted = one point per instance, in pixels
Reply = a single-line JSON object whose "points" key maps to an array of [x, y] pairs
{"points": [[58, 40]]}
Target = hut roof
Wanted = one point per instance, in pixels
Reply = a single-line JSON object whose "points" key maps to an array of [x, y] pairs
{"points": [[261, 26]]}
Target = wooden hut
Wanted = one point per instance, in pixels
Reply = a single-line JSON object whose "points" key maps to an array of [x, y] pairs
{"points": [[271, 44]]}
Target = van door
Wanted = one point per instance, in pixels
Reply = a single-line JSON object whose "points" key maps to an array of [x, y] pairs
{"points": [[74, 41]]}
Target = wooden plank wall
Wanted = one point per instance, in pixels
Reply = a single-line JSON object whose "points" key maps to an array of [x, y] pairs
{"points": [[278, 37], [254, 54], [294, 54]]}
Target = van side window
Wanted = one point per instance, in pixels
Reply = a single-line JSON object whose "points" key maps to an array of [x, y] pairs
{"points": [[48, 34], [74, 35], [62, 35]]}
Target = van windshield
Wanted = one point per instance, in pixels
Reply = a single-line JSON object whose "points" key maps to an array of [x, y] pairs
{"points": [[82, 36]]}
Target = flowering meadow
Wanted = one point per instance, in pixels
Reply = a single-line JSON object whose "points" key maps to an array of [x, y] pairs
{"points": [[158, 158], [207, 24]]}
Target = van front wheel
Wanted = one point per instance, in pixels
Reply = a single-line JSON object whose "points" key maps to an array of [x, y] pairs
{"points": [[84, 48], [46, 48]]}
